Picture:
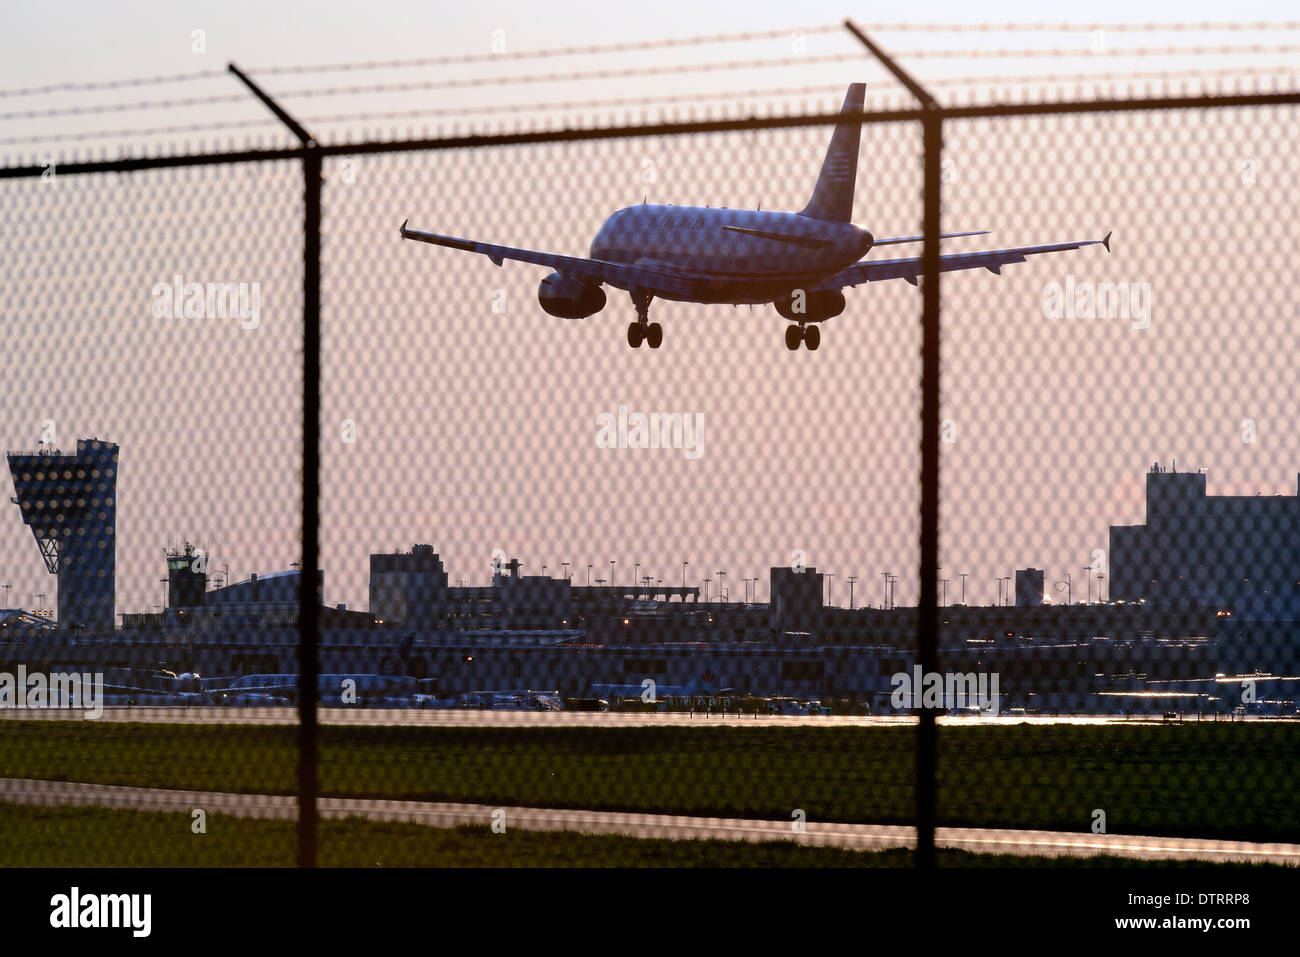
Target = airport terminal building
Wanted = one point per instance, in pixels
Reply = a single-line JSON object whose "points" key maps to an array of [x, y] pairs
{"points": [[1230, 551]]}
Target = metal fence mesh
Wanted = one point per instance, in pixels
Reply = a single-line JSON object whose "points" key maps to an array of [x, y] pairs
{"points": [[456, 414]]}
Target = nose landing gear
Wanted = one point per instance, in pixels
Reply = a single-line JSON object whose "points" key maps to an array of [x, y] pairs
{"points": [[810, 336]]}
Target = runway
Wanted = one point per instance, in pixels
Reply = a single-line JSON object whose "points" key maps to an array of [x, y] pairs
{"points": [[473, 717], [864, 837]]}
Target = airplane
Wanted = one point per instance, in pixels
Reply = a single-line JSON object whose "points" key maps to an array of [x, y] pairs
{"points": [[131, 687], [510, 700], [800, 262], [701, 687], [368, 688], [283, 689]]}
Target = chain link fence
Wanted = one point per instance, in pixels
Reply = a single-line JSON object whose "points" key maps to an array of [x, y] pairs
{"points": [[500, 571]]}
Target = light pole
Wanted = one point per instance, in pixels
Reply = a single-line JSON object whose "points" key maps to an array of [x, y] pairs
{"points": [[944, 583], [893, 580], [830, 589], [963, 586], [706, 590], [852, 579], [885, 604], [1101, 576], [565, 566], [611, 573], [636, 579], [684, 564], [6, 588], [588, 574], [722, 583], [1088, 569], [1069, 588]]}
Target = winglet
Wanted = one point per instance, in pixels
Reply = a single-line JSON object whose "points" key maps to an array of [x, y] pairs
{"points": [[408, 219], [1106, 242]]}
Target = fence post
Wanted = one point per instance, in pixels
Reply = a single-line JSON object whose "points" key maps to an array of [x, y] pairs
{"points": [[308, 598], [927, 630], [927, 617]]}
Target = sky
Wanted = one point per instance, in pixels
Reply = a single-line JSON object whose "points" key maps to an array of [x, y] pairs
{"points": [[456, 412]]}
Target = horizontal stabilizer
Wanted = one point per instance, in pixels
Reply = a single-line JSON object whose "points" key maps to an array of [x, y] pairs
{"points": [[805, 242], [918, 239]]}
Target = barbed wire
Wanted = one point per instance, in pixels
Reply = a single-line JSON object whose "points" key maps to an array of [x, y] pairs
{"points": [[632, 102], [661, 43], [127, 107], [658, 70], [91, 85], [443, 84], [632, 46], [1224, 50], [363, 116], [1203, 26], [435, 61]]}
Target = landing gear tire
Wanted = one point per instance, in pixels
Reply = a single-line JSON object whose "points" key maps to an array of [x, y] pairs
{"points": [[793, 337], [812, 338], [643, 330]]}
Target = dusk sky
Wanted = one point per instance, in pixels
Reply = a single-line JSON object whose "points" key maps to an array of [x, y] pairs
{"points": [[475, 413]]}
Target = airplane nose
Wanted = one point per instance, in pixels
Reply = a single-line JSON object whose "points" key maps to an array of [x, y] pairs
{"points": [[868, 241]]}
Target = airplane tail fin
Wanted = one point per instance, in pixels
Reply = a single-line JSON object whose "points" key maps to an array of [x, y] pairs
{"points": [[832, 198]]}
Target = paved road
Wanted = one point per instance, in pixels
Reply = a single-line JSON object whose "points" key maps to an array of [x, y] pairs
{"points": [[851, 836], [472, 717]]}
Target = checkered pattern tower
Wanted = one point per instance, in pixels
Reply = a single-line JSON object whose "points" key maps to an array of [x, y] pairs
{"points": [[70, 504]]}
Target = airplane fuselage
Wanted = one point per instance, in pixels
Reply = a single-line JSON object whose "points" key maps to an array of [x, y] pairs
{"points": [[732, 255]]}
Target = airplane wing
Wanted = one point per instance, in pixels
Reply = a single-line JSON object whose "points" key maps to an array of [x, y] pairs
{"points": [[621, 275], [287, 692], [910, 269]]}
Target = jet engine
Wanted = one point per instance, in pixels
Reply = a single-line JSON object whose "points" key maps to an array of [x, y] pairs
{"points": [[570, 298], [819, 305]]}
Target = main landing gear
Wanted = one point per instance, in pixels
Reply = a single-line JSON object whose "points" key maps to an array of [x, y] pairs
{"points": [[811, 336], [643, 330]]}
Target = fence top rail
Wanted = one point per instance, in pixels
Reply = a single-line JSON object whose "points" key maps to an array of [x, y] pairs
{"points": [[676, 128]]}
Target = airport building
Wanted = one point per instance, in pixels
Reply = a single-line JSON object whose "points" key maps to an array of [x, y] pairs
{"points": [[409, 588], [796, 600], [70, 504], [1226, 551], [1029, 587], [544, 632], [187, 577]]}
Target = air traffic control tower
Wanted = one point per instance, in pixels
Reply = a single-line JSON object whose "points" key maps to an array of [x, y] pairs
{"points": [[70, 504]]}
